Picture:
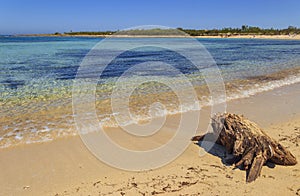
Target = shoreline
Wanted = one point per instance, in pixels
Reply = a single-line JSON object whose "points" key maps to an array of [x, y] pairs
{"points": [[45, 120], [276, 37], [66, 167]]}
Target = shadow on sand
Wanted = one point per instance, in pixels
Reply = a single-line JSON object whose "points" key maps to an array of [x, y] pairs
{"points": [[209, 145]]}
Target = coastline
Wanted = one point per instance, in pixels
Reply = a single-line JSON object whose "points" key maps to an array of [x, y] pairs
{"points": [[279, 37], [150, 98], [65, 166], [44, 126]]}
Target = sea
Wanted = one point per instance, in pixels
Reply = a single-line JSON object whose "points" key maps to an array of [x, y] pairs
{"points": [[37, 78]]}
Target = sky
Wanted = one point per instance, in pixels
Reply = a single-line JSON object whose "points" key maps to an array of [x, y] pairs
{"points": [[50, 16]]}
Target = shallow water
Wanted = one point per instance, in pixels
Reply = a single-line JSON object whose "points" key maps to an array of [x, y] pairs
{"points": [[37, 75]]}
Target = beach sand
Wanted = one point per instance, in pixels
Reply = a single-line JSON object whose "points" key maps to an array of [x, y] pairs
{"points": [[284, 37], [66, 167], [290, 37]]}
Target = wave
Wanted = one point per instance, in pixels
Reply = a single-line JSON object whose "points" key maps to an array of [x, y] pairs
{"points": [[236, 89], [59, 122]]}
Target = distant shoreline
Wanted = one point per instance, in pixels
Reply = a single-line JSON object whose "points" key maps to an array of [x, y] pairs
{"points": [[284, 37]]}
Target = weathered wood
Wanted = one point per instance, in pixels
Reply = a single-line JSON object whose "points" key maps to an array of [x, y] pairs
{"points": [[249, 144]]}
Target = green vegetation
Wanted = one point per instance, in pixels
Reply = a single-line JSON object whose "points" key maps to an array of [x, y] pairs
{"points": [[244, 30], [149, 32]]}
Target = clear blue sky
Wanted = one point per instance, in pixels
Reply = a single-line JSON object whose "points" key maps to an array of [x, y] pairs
{"points": [[49, 16]]}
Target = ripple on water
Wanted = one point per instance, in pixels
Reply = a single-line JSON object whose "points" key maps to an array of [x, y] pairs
{"points": [[36, 79]]}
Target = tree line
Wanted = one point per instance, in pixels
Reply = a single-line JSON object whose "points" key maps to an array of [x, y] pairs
{"points": [[243, 30]]}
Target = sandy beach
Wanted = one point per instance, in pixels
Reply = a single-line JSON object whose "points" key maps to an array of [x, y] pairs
{"points": [[65, 166], [279, 37], [284, 37], [178, 98]]}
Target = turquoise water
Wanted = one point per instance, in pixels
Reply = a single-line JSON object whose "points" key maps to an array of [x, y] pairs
{"points": [[37, 75], [45, 62]]}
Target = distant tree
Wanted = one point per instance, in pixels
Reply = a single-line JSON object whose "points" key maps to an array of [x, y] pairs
{"points": [[244, 27], [292, 28], [180, 29]]}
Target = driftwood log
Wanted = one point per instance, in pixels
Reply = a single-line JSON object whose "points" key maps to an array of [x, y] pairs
{"points": [[249, 144]]}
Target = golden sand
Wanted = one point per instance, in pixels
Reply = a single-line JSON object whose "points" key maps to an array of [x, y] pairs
{"points": [[66, 167]]}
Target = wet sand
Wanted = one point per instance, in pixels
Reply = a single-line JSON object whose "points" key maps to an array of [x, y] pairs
{"points": [[65, 166], [31, 121]]}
